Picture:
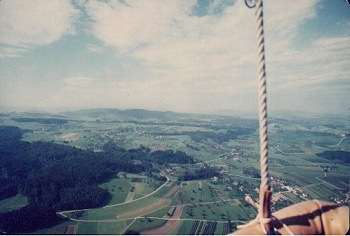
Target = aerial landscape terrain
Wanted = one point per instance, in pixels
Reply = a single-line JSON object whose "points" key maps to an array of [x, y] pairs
{"points": [[174, 117], [110, 171]]}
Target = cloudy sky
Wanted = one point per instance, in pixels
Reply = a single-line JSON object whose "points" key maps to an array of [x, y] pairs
{"points": [[180, 55]]}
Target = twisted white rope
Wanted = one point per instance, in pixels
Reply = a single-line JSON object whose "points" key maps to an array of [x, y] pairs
{"points": [[265, 188], [262, 94]]}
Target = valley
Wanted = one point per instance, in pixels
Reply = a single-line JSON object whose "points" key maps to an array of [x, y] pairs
{"points": [[166, 172]]}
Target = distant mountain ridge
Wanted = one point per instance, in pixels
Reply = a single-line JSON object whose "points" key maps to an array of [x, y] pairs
{"points": [[131, 114]]}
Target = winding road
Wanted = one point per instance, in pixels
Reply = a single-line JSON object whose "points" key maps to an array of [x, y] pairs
{"points": [[62, 213]]}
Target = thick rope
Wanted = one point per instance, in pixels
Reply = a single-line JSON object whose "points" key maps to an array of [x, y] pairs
{"points": [[265, 188]]}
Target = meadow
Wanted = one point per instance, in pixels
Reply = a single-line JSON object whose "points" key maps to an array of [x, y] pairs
{"points": [[209, 205]]}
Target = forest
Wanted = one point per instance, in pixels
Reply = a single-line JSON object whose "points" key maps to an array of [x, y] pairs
{"points": [[54, 121], [252, 172], [338, 156], [60, 177], [201, 173]]}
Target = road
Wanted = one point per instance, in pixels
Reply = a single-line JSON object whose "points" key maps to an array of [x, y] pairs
{"points": [[134, 219], [329, 184], [140, 217], [169, 226], [129, 225], [340, 141], [62, 213], [157, 218], [284, 153]]}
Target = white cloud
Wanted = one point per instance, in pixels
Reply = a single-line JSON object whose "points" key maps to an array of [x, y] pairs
{"points": [[93, 48], [37, 22], [133, 23], [11, 51], [79, 82], [208, 62]]}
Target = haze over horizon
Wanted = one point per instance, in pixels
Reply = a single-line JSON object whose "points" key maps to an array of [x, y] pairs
{"points": [[185, 56]]}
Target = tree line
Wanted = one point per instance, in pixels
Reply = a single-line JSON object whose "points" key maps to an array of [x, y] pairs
{"points": [[60, 177]]}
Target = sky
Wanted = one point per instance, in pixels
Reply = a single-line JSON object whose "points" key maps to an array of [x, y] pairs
{"points": [[179, 55]]}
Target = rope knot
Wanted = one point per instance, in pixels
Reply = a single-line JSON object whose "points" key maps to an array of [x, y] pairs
{"points": [[265, 216]]}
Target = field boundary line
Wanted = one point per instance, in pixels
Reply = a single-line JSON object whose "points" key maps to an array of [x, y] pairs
{"points": [[62, 213], [157, 218], [329, 184], [129, 225]]}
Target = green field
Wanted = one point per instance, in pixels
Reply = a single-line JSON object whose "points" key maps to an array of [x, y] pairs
{"points": [[13, 203], [118, 188], [209, 204], [149, 223], [129, 209], [101, 227]]}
